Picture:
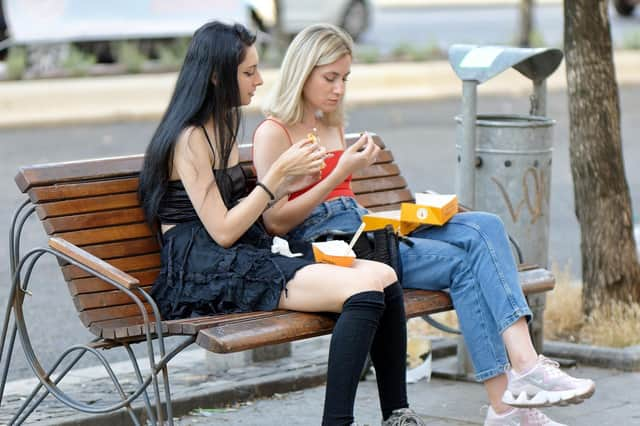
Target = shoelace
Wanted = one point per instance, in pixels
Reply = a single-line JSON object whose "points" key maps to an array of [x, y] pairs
{"points": [[407, 418], [551, 367]]}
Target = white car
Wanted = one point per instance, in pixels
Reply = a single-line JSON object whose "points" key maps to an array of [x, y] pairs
{"points": [[352, 15]]}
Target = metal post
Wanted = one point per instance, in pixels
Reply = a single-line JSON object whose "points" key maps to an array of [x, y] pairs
{"points": [[537, 302], [539, 99], [468, 158]]}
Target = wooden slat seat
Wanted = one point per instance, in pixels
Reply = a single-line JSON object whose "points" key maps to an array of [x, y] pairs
{"points": [[93, 205], [110, 258]]}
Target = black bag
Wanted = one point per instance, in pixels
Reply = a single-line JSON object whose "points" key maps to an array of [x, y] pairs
{"points": [[381, 245]]}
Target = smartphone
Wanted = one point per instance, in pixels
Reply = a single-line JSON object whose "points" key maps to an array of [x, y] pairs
{"points": [[376, 139]]}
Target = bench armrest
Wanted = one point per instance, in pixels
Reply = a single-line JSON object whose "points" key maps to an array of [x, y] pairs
{"points": [[90, 261]]}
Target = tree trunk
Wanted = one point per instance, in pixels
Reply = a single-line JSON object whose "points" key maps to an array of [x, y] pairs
{"points": [[610, 269], [526, 23]]}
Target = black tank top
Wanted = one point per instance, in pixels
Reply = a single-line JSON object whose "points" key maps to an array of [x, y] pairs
{"points": [[175, 206]]}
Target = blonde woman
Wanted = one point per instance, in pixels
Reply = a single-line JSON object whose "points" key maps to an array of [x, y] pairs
{"points": [[470, 256]]}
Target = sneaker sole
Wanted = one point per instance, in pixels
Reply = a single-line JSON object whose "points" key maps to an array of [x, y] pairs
{"points": [[548, 398]]}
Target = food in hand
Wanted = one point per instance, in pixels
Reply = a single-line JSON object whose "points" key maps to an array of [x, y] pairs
{"points": [[313, 137]]}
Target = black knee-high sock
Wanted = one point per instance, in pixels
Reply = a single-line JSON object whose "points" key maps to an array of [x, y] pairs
{"points": [[389, 352], [350, 343]]}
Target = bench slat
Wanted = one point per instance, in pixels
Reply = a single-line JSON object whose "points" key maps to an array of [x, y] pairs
{"points": [[122, 328], [103, 299], [113, 312], [125, 264], [193, 325], [108, 234], [81, 190], [124, 248], [95, 285], [93, 220], [265, 331], [70, 171], [87, 205], [377, 170], [378, 184], [385, 197], [384, 207]]}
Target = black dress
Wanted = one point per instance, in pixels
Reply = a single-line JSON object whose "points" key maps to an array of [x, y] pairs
{"points": [[199, 277]]}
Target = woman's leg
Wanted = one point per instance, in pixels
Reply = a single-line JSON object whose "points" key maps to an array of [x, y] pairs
{"points": [[388, 352], [357, 293], [436, 265], [500, 308]]}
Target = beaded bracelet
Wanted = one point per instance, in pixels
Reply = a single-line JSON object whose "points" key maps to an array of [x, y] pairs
{"points": [[263, 186]]}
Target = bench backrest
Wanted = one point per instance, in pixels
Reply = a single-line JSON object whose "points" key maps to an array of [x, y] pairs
{"points": [[93, 204]]}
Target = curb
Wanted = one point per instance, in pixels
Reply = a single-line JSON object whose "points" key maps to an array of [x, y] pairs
{"points": [[625, 359]]}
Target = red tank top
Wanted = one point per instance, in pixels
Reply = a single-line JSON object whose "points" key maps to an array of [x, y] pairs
{"points": [[343, 189]]}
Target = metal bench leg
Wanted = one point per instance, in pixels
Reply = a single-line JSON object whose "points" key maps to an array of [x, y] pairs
{"points": [[62, 397], [14, 254], [145, 395]]}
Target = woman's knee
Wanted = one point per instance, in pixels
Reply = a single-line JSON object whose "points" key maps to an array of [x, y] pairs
{"points": [[484, 220], [369, 280]]}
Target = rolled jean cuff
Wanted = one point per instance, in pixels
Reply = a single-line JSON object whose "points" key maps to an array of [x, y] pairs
{"points": [[485, 375], [513, 317]]}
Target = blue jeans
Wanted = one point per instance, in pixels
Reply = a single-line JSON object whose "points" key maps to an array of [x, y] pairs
{"points": [[470, 257]]}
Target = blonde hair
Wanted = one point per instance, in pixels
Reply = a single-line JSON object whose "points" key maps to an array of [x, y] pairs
{"points": [[316, 45]]}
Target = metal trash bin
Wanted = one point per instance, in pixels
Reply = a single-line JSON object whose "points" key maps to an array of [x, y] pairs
{"points": [[504, 161], [513, 177]]}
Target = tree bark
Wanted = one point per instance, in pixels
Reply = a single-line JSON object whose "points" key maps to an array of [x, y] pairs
{"points": [[610, 269]]}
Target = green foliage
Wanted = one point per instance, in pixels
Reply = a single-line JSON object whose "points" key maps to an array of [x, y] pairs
{"points": [[173, 54], [77, 62], [129, 55], [631, 41], [412, 52], [16, 62], [536, 39], [367, 54]]}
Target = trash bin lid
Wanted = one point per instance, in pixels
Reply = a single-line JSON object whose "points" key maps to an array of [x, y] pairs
{"points": [[481, 63]]}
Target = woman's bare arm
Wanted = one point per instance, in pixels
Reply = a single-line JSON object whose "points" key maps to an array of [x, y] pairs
{"points": [[269, 142]]}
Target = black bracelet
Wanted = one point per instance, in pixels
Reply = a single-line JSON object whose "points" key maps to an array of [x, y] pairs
{"points": [[263, 186]]}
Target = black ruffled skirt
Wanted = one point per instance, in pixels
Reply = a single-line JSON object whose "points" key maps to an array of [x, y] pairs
{"points": [[198, 277]]}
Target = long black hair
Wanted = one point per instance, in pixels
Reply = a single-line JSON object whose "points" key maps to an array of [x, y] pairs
{"points": [[214, 53]]}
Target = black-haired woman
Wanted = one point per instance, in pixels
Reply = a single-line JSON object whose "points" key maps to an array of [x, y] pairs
{"points": [[216, 257]]}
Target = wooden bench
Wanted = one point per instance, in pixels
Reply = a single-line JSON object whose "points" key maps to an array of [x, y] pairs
{"points": [[110, 258]]}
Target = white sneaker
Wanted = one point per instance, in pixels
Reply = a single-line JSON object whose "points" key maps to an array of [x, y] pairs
{"points": [[545, 385], [519, 417]]}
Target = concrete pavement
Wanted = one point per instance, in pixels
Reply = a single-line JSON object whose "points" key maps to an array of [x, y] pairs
{"points": [[290, 391]]}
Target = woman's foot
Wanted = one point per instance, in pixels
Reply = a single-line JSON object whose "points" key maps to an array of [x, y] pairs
{"points": [[545, 385], [404, 417], [519, 417]]}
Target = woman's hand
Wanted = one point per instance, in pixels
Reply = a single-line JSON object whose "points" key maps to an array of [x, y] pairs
{"points": [[304, 157], [293, 184], [361, 154]]}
